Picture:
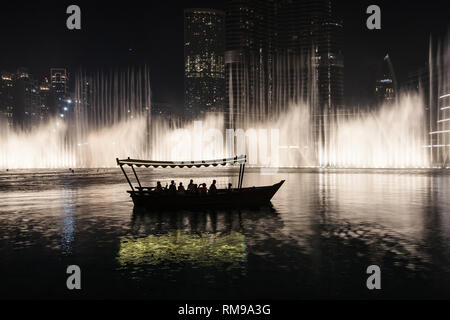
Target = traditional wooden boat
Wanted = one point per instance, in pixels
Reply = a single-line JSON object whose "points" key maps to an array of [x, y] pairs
{"points": [[150, 198]]}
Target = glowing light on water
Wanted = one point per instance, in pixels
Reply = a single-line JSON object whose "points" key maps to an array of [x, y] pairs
{"points": [[393, 137], [109, 118]]}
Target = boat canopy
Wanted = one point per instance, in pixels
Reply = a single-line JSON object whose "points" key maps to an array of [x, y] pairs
{"points": [[181, 164]]}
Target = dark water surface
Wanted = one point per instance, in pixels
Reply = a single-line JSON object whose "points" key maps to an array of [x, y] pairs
{"points": [[323, 230]]}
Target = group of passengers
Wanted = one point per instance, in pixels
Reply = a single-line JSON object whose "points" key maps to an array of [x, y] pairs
{"points": [[192, 188]]}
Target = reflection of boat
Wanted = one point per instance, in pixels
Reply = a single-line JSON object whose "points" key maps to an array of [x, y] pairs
{"points": [[177, 247], [234, 197], [180, 238]]}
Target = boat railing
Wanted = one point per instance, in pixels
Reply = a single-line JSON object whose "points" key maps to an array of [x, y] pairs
{"points": [[241, 160]]}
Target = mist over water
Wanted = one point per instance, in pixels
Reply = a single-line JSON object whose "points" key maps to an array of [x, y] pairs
{"points": [[394, 136], [111, 118]]}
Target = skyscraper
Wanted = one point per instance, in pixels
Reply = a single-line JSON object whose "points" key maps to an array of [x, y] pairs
{"points": [[45, 99], [204, 69], [7, 97], [432, 81], [310, 28], [386, 83], [250, 32], [26, 112], [269, 46], [59, 81], [61, 101]]}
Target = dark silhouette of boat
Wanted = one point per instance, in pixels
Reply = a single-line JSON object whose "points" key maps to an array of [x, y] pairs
{"points": [[150, 198]]}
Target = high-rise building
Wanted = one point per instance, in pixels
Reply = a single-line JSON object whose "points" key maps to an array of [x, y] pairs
{"points": [[386, 83], [61, 101], [59, 81], [309, 28], [7, 98], [433, 85], [45, 99], [250, 32], [204, 68], [26, 111], [269, 47]]}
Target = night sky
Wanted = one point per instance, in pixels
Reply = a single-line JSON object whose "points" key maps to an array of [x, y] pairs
{"points": [[34, 35]]}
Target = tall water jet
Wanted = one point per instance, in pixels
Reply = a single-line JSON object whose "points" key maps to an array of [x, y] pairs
{"points": [[109, 119], [280, 125], [112, 116], [390, 137]]}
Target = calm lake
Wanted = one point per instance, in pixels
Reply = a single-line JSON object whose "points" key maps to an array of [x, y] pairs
{"points": [[324, 228]]}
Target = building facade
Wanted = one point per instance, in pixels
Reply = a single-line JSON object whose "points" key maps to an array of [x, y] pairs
{"points": [[26, 111], [432, 82], [204, 67], [249, 44], [385, 84], [282, 51], [45, 91], [7, 98], [26, 101], [61, 101]]}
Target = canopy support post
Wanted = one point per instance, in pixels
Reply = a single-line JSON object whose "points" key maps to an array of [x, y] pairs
{"points": [[137, 179], [241, 174], [242, 177], [126, 176], [239, 179]]}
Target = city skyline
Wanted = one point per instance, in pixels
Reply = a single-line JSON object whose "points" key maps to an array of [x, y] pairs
{"points": [[225, 152], [154, 37]]}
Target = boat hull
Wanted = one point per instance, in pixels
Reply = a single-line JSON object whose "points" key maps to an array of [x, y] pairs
{"points": [[244, 197]]}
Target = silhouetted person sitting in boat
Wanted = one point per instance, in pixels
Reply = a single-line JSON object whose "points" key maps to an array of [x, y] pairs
{"points": [[158, 187], [190, 186], [181, 188], [202, 189], [172, 187], [194, 189], [213, 188], [230, 187]]}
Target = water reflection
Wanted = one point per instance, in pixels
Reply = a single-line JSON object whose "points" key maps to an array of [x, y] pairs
{"points": [[323, 230], [177, 239], [68, 229]]}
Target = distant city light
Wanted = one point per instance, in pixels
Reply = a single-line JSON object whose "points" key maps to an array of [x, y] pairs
{"points": [[65, 108], [61, 115]]}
